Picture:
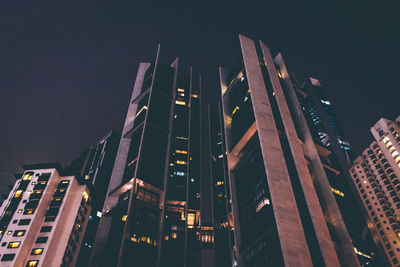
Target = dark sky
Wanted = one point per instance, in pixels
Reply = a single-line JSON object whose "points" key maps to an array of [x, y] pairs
{"points": [[67, 68]]}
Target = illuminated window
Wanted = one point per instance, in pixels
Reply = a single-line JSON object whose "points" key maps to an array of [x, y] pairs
{"points": [[14, 244], [181, 90], [220, 183], [181, 151], [123, 218], [181, 162], [32, 263], [191, 220], [181, 94], [27, 176], [179, 102], [85, 195], [174, 235], [234, 111], [18, 193], [195, 96], [262, 203], [9, 232], [386, 139], [19, 233], [37, 251], [20, 210], [166, 237], [337, 192]]}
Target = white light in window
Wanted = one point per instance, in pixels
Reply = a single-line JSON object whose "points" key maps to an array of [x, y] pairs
{"points": [[98, 214]]}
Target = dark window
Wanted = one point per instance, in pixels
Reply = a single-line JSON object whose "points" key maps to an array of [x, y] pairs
{"points": [[15, 221], [42, 239], [3, 244], [24, 222], [45, 229], [8, 257]]}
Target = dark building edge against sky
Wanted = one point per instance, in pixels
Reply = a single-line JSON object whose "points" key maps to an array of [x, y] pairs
{"points": [[67, 67]]}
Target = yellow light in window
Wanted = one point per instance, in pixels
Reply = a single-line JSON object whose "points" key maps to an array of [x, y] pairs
{"points": [[181, 162], [337, 192], [18, 193], [123, 218], [134, 239], [37, 251], [61, 190], [33, 263], [20, 210], [85, 195], [234, 111], [386, 139], [181, 90], [195, 96], [179, 102], [9, 232], [27, 176], [181, 151], [20, 233], [14, 244], [174, 235], [65, 182], [166, 237], [220, 183], [181, 94], [29, 211]]}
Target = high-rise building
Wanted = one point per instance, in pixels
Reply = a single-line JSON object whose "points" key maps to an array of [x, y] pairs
{"points": [[44, 218], [284, 210], [93, 168], [376, 175], [152, 213], [335, 153], [221, 199]]}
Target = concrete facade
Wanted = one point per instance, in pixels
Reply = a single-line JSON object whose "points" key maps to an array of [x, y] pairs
{"points": [[43, 233]]}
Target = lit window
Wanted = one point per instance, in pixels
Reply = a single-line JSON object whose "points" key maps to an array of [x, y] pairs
{"points": [[262, 203], [9, 232], [27, 176], [181, 162], [234, 111], [123, 218], [20, 210], [181, 90], [220, 183], [179, 102], [32, 263], [65, 182], [386, 139], [181, 94], [337, 192], [37, 251], [18, 193], [85, 195], [174, 235], [19, 233], [181, 151], [195, 96], [14, 244], [166, 237]]}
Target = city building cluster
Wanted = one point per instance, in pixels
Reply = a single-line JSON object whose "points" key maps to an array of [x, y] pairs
{"points": [[263, 175]]}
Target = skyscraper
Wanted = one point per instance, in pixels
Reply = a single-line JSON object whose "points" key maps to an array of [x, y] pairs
{"points": [[93, 168], [284, 210], [335, 153], [376, 175], [44, 219], [151, 215]]}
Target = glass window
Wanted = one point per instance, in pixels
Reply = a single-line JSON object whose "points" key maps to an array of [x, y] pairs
{"points": [[14, 244], [41, 240], [8, 257], [37, 251], [45, 229], [19, 233]]}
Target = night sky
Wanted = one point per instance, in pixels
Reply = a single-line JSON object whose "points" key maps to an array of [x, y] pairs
{"points": [[67, 68]]}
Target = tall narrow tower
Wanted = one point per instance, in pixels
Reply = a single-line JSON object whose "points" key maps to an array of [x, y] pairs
{"points": [[283, 208]]}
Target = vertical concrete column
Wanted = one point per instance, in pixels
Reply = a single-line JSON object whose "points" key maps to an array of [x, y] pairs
{"points": [[317, 217], [118, 171], [223, 77], [291, 235], [332, 213]]}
